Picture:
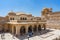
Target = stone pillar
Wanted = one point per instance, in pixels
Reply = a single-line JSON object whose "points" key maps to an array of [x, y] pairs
{"points": [[17, 30], [44, 27], [37, 28], [12, 29], [32, 29], [41, 28], [27, 29]]}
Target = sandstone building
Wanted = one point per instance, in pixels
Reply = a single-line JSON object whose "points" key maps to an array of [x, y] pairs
{"points": [[52, 18], [21, 23]]}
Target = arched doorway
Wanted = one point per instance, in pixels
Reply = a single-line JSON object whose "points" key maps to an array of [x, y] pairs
{"points": [[35, 28], [39, 27], [22, 30], [30, 29]]}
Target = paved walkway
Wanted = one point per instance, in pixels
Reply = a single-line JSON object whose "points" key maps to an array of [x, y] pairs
{"points": [[8, 36], [47, 36]]}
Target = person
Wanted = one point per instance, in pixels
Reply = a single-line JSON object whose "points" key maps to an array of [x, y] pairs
{"points": [[30, 34]]}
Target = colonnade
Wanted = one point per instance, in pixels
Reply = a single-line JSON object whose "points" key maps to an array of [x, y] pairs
{"points": [[25, 29]]}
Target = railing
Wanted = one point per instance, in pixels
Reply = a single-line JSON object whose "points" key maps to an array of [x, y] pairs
{"points": [[27, 21]]}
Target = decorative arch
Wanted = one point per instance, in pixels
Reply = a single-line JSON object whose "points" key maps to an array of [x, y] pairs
{"points": [[22, 30], [23, 18], [30, 28], [39, 27]]}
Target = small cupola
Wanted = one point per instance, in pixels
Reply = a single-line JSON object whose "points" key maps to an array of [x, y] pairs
{"points": [[11, 13]]}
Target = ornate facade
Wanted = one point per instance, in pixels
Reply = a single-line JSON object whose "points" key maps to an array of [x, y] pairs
{"points": [[21, 23]]}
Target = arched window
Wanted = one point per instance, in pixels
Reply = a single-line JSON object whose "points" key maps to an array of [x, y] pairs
{"points": [[20, 18], [10, 18], [25, 18], [13, 18]]}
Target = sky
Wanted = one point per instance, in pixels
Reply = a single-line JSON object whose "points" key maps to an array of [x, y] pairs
{"points": [[29, 6]]}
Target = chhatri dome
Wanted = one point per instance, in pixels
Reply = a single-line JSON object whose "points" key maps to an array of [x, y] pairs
{"points": [[11, 13]]}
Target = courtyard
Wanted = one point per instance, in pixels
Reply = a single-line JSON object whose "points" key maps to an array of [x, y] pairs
{"points": [[48, 34]]}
